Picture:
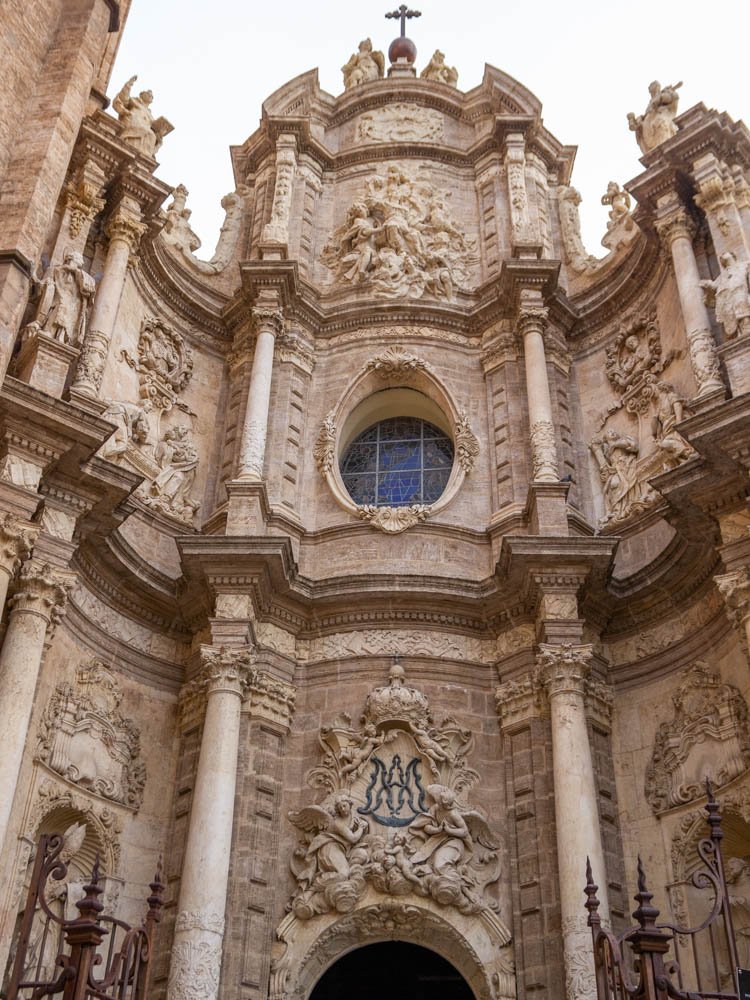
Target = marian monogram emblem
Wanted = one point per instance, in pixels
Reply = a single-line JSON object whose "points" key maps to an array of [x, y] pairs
{"points": [[392, 816], [394, 796]]}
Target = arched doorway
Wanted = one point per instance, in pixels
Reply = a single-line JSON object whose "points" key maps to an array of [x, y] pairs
{"points": [[392, 969]]}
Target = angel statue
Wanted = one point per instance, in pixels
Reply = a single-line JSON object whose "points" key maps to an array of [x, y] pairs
{"points": [[657, 123], [449, 859], [364, 66], [329, 866], [140, 128], [437, 70], [619, 202]]}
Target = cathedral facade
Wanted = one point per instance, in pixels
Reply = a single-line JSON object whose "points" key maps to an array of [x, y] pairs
{"points": [[383, 567]]}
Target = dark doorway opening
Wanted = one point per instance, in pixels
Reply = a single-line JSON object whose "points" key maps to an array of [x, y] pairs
{"points": [[392, 970]]}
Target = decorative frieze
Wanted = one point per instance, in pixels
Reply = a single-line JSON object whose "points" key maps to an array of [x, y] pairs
{"points": [[400, 122]]}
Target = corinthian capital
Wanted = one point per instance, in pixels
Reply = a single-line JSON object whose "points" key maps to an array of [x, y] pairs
{"points": [[42, 591], [271, 699], [268, 319], [122, 225], [517, 701], [227, 668], [532, 313], [16, 542], [735, 589], [674, 226], [564, 669]]}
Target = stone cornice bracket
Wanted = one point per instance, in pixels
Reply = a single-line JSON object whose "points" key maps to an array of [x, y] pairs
{"points": [[16, 542], [226, 668], [271, 699], [42, 591], [517, 701], [564, 668]]}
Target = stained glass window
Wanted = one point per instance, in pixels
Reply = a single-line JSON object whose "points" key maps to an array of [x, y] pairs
{"points": [[398, 462]]}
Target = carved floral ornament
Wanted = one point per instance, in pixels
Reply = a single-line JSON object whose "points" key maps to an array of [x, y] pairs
{"points": [[394, 366], [708, 736]]}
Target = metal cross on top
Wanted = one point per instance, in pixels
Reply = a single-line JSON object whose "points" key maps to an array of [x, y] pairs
{"points": [[404, 14]]}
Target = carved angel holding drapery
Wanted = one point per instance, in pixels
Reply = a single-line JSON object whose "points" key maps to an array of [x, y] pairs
{"points": [[330, 868], [454, 837]]}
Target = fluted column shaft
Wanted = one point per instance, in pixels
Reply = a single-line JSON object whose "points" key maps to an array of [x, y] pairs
{"points": [[124, 230], [38, 604], [531, 323], [563, 671], [677, 236], [255, 426], [199, 930]]}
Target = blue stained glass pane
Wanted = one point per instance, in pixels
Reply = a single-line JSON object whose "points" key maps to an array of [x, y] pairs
{"points": [[438, 453], [434, 485], [361, 488], [397, 462], [400, 455], [396, 489], [360, 458]]}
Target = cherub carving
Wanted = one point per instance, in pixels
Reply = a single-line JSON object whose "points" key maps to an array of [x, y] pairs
{"points": [[365, 65], [619, 202]]}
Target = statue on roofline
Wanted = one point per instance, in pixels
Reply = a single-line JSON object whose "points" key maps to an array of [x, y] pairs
{"points": [[140, 129], [364, 66], [657, 123]]}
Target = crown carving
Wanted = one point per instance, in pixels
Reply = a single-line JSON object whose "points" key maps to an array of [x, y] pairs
{"points": [[397, 701]]}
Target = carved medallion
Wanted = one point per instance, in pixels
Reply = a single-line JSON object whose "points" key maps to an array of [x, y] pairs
{"points": [[85, 738]]}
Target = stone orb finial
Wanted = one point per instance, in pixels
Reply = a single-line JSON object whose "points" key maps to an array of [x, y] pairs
{"points": [[402, 48]]}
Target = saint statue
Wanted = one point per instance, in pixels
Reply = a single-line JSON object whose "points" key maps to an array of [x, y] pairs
{"points": [[437, 70], [140, 128], [364, 66], [731, 293], [657, 123], [670, 410], [66, 292]]}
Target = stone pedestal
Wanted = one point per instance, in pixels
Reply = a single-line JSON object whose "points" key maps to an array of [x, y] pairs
{"points": [[45, 363]]}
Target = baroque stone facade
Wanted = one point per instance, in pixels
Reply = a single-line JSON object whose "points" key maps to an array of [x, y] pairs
{"points": [[382, 566]]}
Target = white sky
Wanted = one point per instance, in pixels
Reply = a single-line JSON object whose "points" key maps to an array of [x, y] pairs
{"points": [[212, 63]]}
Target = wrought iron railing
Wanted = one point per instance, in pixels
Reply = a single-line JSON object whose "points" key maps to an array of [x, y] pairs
{"points": [[55, 955], [656, 961]]}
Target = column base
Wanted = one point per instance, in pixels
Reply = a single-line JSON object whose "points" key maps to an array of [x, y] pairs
{"points": [[547, 508], [87, 402]]}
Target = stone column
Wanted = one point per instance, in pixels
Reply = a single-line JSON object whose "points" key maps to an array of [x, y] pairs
{"points": [[269, 324], [38, 605], [742, 198], [199, 929], [532, 320], [124, 230], [734, 587], [676, 233], [563, 671], [16, 542]]}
